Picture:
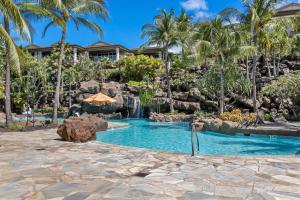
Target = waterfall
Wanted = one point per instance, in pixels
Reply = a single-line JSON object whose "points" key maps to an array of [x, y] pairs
{"points": [[128, 107], [138, 111]]}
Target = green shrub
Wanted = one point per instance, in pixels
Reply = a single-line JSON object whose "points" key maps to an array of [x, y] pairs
{"points": [[137, 83], [139, 68], [286, 86], [267, 117], [146, 96], [48, 110]]}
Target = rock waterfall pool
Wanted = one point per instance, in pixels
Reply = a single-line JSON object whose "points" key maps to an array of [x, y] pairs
{"points": [[176, 137]]}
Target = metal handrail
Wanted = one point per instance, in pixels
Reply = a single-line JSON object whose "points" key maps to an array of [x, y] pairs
{"points": [[194, 132]]}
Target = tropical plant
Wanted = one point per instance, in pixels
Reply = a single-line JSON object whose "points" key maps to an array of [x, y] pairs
{"points": [[296, 46], [162, 32], [139, 68], [277, 40], [146, 96], [286, 86], [223, 43], [184, 30], [11, 17], [259, 13], [236, 115], [33, 86], [72, 11], [70, 76]]}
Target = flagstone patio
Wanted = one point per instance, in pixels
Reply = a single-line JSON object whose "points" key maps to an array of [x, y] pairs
{"points": [[38, 165]]}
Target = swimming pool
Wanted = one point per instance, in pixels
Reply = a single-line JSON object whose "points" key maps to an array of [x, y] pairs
{"points": [[176, 137], [37, 118]]}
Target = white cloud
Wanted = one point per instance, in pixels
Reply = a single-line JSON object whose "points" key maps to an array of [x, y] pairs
{"points": [[194, 5], [202, 15], [175, 49], [199, 8]]}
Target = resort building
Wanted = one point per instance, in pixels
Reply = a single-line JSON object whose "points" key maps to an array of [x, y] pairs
{"points": [[98, 50], [155, 52], [289, 10]]}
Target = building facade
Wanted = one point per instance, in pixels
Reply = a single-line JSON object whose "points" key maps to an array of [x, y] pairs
{"points": [[97, 50]]}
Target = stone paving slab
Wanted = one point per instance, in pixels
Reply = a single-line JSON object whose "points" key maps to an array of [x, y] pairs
{"points": [[38, 165]]}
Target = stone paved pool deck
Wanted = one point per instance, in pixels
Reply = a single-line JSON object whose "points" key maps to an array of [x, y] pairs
{"points": [[38, 165]]}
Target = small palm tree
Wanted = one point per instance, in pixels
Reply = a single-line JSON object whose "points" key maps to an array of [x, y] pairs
{"points": [[162, 32], [259, 13], [71, 76], [223, 43], [73, 11], [11, 17]]}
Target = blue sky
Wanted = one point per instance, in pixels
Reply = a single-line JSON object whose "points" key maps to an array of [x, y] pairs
{"points": [[127, 18]]}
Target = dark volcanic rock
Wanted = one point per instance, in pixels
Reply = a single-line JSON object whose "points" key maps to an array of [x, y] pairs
{"points": [[91, 87], [112, 89], [159, 117], [279, 118], [189, 107], [195, 95], [181, 96], [81, 129]]}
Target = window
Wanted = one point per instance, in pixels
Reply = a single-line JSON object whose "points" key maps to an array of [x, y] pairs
{"points": [[96, 56]]}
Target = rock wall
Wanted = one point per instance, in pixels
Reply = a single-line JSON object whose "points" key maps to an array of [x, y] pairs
{"points": [[186, 99], [159, 117]]}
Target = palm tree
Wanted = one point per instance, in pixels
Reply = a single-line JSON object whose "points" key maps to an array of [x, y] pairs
{"points": [[223, 42], [259, 13], [11, 17], [71, 76], [163, 33], [278, 30], [183, 30], [73, 11], [247, 52]]}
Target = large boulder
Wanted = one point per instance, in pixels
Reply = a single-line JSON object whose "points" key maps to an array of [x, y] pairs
{"points": [[215, 125], [210, 105], [189, 107], [112, 89], [181, 96], [134, 89], [82, 129], [278, 118], [160, 117], [91, 87], [195, 95], [243, 101]]}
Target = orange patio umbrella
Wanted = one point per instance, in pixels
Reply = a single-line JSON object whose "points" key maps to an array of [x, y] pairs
{"points": [[100, 99]]}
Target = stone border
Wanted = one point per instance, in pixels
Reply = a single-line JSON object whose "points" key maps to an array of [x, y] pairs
{"points": [[226, 127]]}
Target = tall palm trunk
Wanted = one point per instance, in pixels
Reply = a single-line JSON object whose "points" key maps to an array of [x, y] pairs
{"points": [[58, 78], [274, 64], [254, 89], [169, 93], [8, 113], [70, 96], [247, 68], [222, 90], [278, 64]]}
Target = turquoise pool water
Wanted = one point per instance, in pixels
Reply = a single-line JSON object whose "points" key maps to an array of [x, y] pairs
{"points": [[176, 137], [38, 118]]}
